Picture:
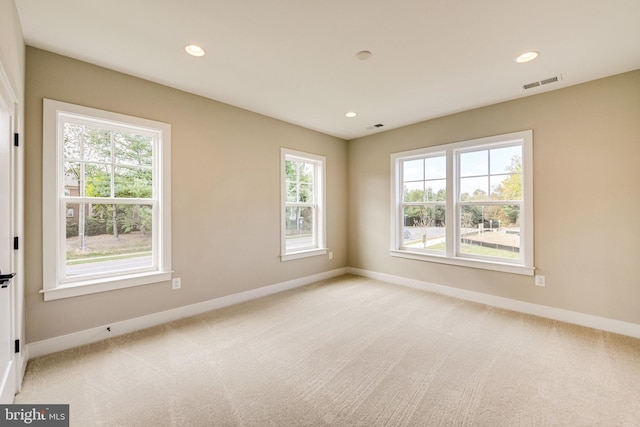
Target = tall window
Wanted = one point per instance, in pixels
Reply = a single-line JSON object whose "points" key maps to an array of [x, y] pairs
{"points": [[303, 214], [469, 203], [106, 196]]}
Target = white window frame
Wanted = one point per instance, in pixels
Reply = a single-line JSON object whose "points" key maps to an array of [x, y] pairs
{"points": [[55, 286], [319, 246], [452, 254]]}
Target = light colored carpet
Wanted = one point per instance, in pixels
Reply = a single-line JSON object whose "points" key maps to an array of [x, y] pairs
{"points": [[348, 352]]}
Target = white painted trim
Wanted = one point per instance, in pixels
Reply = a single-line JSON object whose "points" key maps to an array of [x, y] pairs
{"points": [[464, 262], [582, 319], [9, 384], [304, 254], [320, 225], [452, 255], [103, 285], [64, 342], [55, 284]]}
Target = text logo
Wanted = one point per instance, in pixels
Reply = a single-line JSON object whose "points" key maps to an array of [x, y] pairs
{"points": [[34, 415]]}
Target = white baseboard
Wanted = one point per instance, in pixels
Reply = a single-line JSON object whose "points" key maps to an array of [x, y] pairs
{"points": [[576, 318], [88, 336], [22, 359], [64, 342]]}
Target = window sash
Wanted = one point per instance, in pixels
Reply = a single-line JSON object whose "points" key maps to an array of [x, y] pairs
{"points": [[111, 128]]}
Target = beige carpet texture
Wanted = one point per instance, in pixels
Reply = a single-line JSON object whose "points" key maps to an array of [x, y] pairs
{"points": [[348, 351]]}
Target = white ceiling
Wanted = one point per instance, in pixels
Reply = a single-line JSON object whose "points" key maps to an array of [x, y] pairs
{"points": [[294, 60]]}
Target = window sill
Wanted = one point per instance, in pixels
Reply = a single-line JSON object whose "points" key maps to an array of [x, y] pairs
{"points": [[466, 262], [103, 285], [303, 254]]}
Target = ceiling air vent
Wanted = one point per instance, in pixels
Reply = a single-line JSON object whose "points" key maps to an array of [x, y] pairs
{"points": [[376, 126], [542, 82]]}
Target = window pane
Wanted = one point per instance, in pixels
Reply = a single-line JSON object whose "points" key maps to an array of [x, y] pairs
{"points": [[291, 171], [424, 227], [306, 172], [413, 191], [72, 141], [300, 172], [132, 149], [87, 179], [413, 170], [436, 167], [506, 160], [299, 178], [474, 188], [97, 145], [97, 180], [306, 193], [506, 187], [292, 192], [71, 179], [299, 227], [489, 230], [435, 191], [133, 182], [474, 163], [95, 246]]}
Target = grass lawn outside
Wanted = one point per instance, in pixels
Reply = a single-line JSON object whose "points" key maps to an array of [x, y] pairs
{"points": [[480, 250], [106, 247]]}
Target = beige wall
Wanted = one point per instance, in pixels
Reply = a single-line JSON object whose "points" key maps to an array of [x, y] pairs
{"points": [[225, 200], [587, 202], [586, 149]]}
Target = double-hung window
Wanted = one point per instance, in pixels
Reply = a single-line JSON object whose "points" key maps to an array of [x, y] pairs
{"points": [[302, 210], [468, 203], [106, 200]]}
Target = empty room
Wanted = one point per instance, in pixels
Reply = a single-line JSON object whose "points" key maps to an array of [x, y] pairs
{"points": [[337, 213]]}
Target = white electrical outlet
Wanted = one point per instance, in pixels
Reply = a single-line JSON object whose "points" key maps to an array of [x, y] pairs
{"points": [[539, 280], [330, 255], [176, 283]]}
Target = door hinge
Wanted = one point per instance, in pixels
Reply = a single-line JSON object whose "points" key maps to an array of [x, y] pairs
{"points": [[17, 346], [16, 139], [16, 244]]}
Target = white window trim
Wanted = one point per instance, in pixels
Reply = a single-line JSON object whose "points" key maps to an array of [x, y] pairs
{"points": [[320, 227], [53, 245], [524, 266]]}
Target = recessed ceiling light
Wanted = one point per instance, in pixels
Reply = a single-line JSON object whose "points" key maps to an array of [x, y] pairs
{"points": [[363, 55], [351, 114], [526, 57], [194, 50]]}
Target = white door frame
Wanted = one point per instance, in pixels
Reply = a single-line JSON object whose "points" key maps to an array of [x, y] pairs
{"points": [[16, 201]]}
